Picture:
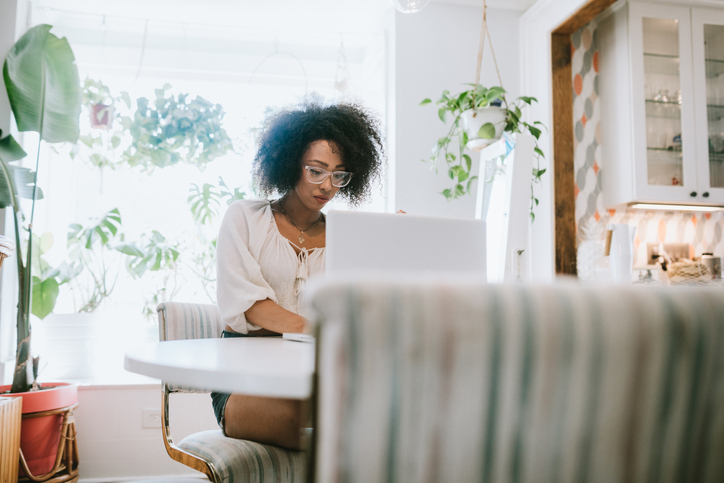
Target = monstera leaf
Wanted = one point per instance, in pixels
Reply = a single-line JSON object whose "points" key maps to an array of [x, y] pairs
{"points": [[43, 85]]}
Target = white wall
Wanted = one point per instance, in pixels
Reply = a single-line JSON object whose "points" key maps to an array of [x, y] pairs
{"points": [[436, 49], [113, 445]]}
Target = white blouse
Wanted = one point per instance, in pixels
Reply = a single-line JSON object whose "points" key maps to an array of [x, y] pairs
{"points": [[255, 262]]}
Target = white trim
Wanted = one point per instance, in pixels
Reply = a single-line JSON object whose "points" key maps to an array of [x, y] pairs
{"points": [[536, 25]]}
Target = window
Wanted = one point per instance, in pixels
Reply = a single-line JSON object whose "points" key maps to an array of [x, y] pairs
{"points": [[248, 72]]}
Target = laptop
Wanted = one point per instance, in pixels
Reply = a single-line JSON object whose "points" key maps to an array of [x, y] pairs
{"points": [[359, 241], [381, 242]]}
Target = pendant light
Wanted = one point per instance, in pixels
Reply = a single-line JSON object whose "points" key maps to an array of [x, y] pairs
{"points": [[409, 6]]}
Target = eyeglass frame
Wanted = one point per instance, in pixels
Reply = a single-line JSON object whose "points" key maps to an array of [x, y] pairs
{"points": [[327, 175]]}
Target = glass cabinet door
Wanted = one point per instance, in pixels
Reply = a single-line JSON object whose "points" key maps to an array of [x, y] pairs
{"points": [[662, 86], [708, 46], [662, 89]]}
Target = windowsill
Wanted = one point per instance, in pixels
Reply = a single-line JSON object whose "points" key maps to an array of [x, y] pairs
{"points": [[111, 380]]}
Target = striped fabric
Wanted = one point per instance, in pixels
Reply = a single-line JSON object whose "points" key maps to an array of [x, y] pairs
{"points": [[245, 461], [461, 381], [178, 321]]}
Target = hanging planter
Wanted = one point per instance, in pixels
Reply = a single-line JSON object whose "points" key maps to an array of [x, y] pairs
{"points": [[480, 116], [483, 126]]}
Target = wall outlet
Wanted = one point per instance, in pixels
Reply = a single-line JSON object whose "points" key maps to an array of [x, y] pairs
{"points": [[151, 418]]}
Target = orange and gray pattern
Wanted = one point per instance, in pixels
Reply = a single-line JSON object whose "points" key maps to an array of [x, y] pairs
{"points": [[464, 381], [703, 232]]}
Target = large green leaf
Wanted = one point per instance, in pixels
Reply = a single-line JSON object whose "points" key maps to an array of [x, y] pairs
{"points": [[43, 85], [45, 293]]}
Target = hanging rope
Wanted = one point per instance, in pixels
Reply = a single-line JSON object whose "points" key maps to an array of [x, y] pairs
{"points": [[484, 32], [143, 51]]}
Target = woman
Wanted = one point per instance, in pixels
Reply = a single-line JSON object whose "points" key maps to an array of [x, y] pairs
{"points": [[266, 250]]}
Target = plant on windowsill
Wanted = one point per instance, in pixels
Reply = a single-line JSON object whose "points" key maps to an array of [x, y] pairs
{"points": [[43, 88], [480, 116]]}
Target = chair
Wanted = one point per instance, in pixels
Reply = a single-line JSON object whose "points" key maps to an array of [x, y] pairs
{"points": [[454, 380], [220, 458]]}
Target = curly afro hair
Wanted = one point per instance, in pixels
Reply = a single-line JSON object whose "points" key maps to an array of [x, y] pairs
{"points": [[286, 136]]}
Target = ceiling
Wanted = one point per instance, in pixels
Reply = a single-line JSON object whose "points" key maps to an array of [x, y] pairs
{"points": [[310, 16]]}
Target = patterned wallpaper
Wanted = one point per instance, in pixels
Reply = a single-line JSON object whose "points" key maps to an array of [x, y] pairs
{"points": [[702, 231]]}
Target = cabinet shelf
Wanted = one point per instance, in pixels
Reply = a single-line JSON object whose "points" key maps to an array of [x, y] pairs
{"points": [[714, 67], [668, 109], [714, 112], [661, 64], [664, 156]]}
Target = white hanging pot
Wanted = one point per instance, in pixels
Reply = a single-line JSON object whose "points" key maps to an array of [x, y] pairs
{"points": [[474, 119]]}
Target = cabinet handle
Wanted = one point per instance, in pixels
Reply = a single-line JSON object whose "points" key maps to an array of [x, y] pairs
{"points": [[693, 193], [705, 194]]}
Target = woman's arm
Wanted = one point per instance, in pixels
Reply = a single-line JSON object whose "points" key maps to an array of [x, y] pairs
{"points": [[269, 315]]}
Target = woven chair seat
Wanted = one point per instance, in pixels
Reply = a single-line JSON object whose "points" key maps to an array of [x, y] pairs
{"points": [[238, 460]]}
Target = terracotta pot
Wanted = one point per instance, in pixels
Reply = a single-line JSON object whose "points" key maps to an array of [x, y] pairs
{"points": [[39, 437]]}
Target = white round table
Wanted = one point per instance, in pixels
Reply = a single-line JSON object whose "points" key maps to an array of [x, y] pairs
{"points": [[256, 366]]}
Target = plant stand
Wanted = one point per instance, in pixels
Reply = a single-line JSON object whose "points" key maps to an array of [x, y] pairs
{"points": [[65, 468]]}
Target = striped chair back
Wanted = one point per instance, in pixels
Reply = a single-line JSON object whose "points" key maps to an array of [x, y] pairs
{"points": [[462, 381], [177, 321]]}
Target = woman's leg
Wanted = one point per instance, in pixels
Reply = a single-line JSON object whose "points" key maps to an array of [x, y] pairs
{"points": [[265, 420]]}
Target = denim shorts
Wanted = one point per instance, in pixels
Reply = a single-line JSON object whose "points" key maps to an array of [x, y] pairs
{"points": [[219, 399]]}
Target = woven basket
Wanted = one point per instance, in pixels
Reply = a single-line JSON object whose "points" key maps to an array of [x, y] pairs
{"points": [[686, 272]]}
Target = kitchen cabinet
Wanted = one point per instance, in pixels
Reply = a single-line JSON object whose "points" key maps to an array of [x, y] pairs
{"points": [[661, 88]]}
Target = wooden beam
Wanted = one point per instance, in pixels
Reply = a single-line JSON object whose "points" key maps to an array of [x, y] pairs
{"points": [[564, 184], [585, 14], [563, 181]]}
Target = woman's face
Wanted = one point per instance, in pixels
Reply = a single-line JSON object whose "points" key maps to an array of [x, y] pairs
{"points": [[324, 155]]}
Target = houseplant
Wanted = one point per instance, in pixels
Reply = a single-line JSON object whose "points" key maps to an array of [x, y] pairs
{"points": [[43, 87], [481, 115], [497, 116]]}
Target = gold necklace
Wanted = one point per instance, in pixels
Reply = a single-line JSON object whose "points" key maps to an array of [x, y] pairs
{"points": [[301, 232]]}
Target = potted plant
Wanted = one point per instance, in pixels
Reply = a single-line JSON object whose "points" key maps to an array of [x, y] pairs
{"points": [[480, 116], [43, 87], [172, 129]]}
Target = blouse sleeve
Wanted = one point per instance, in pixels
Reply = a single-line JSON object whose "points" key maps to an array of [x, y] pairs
{"points": [[240, 283]]}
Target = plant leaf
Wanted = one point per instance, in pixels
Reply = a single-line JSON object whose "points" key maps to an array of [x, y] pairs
{"points": [[468, 162], [43, 85], [486, 131], [425, 101], [45, 293], [10, 151]]}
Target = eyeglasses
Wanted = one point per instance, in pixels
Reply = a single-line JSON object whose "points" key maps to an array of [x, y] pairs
{"points": [[318, 175]]}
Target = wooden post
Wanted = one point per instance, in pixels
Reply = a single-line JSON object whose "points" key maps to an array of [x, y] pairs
{"points": [[564, 185]]}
